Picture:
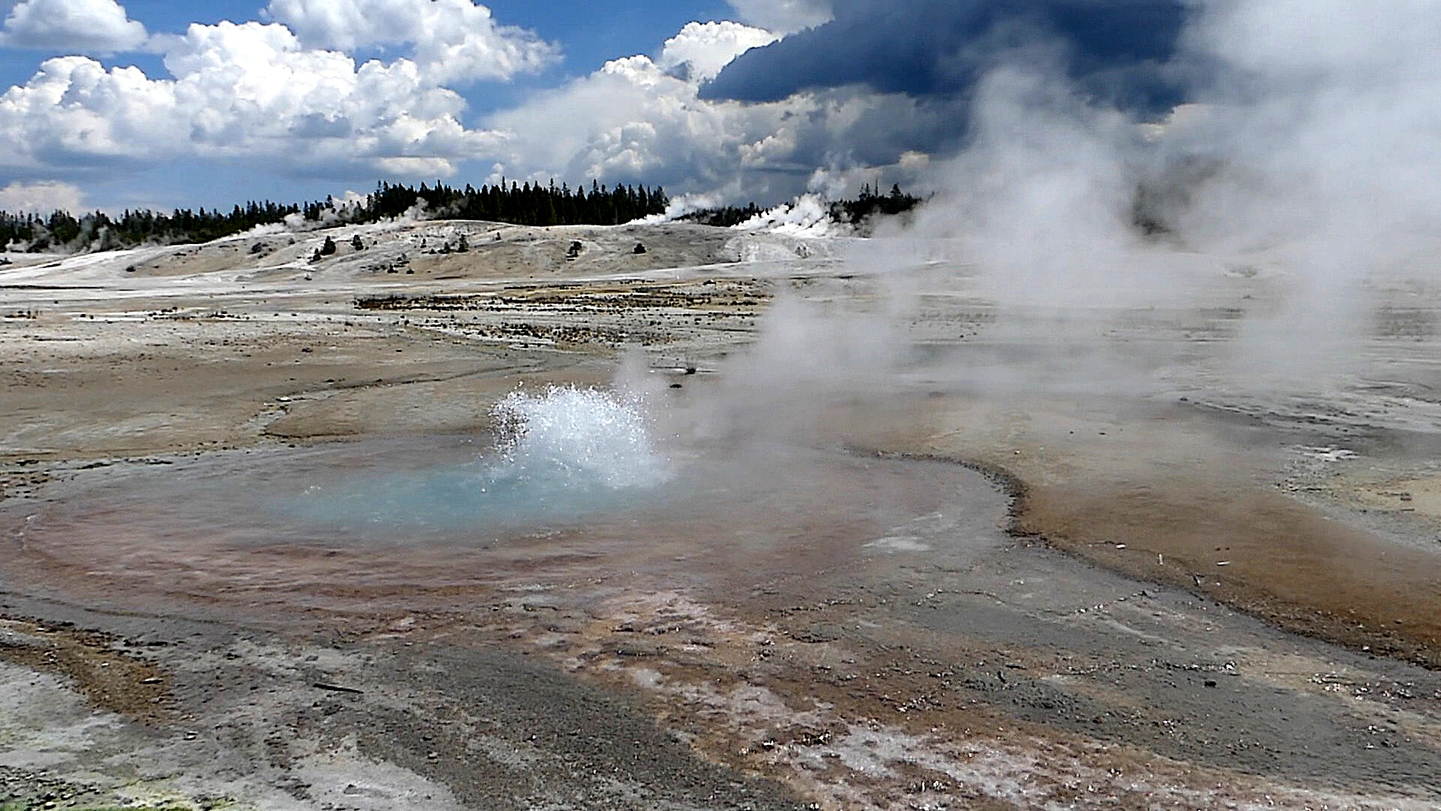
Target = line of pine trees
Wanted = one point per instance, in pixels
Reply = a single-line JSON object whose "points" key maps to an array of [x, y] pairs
{"points": [[722, 216], [520, 204], [869, 203], [99, 231]]}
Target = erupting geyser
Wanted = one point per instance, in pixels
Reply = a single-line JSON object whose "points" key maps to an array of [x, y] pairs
{"points": [[560, 455], [570, 439]]}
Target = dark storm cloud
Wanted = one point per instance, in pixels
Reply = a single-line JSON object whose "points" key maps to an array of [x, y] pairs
{"points": [[1118, 49]]}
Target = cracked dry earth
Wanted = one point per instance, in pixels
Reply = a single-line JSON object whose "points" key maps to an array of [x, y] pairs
{"points": [[930, 600]]}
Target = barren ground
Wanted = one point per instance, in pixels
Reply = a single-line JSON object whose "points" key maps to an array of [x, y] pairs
{"points": [[1181, 593]]}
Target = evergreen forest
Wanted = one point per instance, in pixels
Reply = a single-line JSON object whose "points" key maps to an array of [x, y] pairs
{"points": [[519, 204]]}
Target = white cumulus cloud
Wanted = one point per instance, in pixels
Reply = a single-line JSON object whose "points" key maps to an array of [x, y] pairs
{"points": [[639, 119], [298, 97], [450, 40], [700, 50], [42, 197], [630, 121], [783, 16], [247, 90], [84, 26]]}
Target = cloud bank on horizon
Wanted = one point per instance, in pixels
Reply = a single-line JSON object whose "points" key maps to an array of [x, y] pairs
{"points": [[789, 95], [356, 90]]}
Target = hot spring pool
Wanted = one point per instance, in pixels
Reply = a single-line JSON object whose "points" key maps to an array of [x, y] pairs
{"points": [[575, 482]]}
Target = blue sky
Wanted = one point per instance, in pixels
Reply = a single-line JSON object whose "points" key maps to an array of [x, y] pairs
{"points": [[593, 33], [582, 37], [590, 33], [144, 103]]}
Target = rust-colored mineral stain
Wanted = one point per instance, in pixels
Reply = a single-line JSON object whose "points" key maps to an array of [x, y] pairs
{"points": [[1257, 550]]}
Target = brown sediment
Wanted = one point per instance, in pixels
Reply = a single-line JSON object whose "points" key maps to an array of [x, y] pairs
{"points": [[1258, 551], [108, 677], [1209, 521], [753, 689]]}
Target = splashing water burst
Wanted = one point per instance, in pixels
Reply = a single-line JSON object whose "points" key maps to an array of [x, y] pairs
{"points": [[577, 438], [561, 456]]}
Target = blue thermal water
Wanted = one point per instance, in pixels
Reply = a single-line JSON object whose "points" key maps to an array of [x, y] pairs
{"points": [[561, 455], [570, 473]]}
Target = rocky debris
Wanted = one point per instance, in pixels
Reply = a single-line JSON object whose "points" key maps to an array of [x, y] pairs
{"points": [[23, 789], [337, 688], [709, 296], [104, 670]]}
